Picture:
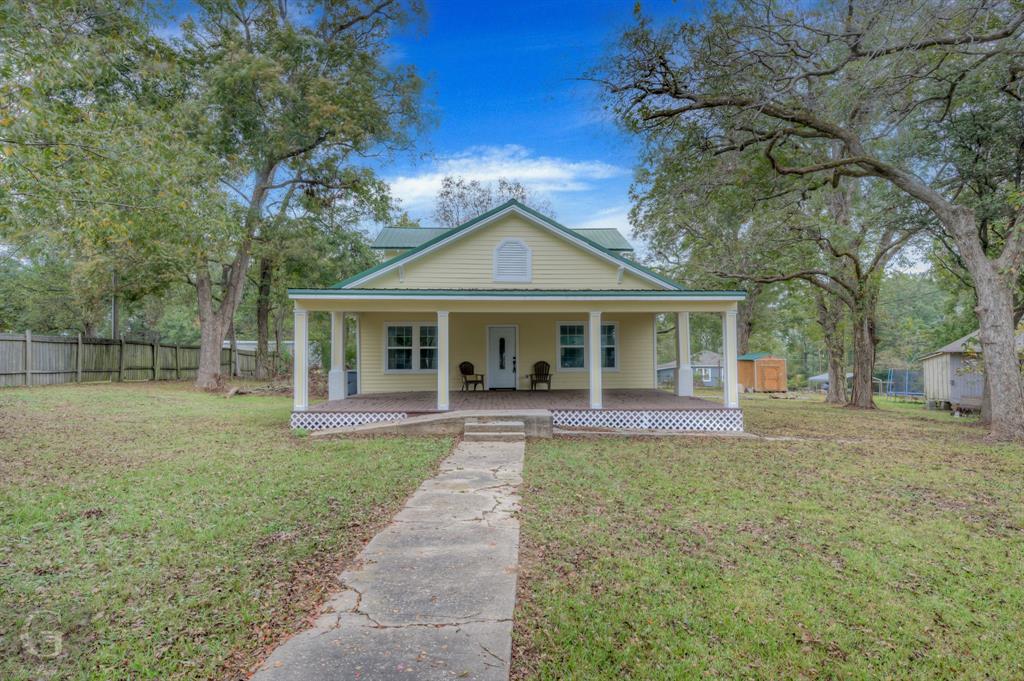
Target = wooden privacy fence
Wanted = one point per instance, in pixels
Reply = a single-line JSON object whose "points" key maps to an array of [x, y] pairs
{"points": [[29, 359]]}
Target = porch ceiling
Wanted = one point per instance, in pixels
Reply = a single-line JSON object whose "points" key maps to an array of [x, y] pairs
{"points": [[426, 401]]}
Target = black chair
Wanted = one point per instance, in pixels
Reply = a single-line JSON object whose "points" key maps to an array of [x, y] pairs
{"points": [[469, 377], [541, 374]]}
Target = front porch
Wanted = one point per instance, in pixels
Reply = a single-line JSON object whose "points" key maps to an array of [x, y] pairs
{"points": [[599, 349], [629, 409]]}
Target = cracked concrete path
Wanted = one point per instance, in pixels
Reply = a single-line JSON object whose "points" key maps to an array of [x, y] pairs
{"points": [[431, 596]]}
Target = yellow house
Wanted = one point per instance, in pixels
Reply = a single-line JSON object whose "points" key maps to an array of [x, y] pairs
{"points": [[508, 292]]}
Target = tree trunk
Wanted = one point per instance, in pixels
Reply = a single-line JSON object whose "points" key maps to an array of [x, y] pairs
{"points": [[994, 283], [864, 342], [213, 324], [986, 394], [211, 335], [999, 351], [233, 355], [745, 320], [829, 317], [863, 364], [264, 364]]}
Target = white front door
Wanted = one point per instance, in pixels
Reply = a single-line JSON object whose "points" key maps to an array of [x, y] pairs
{"points": [[501, 357]]}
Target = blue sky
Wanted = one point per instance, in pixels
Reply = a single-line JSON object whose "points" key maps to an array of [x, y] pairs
{"points": [[504, 82]]}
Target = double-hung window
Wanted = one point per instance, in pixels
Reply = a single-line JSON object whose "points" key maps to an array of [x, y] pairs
{"points": [[411, 347], [572, 352], [572, 346], [610, 346]]}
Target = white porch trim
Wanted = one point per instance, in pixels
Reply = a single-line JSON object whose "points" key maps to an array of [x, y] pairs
{"points": [[594, 357], [684, 370], [730, 363], [300, 358], [443, 378], [337, 379]]}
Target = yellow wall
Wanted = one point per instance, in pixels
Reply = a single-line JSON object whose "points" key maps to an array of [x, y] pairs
{"points": [[468, 263], [537, 341]]}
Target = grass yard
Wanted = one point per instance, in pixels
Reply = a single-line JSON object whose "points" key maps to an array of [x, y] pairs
{"points": [[176, 534], [852, 545]]}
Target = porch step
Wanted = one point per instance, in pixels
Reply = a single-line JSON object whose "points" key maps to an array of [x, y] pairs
{"points": [[494, 431], [495, 426], [494, 437]]}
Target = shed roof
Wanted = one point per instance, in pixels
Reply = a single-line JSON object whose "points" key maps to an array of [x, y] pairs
{"points": [[413, 237], [754, 356], [970, 342]]}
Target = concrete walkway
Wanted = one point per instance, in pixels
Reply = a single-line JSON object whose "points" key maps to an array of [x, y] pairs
{"points": [[431, 596]]}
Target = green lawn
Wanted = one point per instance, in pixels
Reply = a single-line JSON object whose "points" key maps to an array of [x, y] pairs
{"points": [[176, 534], [849, 545]]}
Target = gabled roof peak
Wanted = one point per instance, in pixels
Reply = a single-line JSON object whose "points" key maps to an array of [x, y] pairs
{"points": [[512, 205]]}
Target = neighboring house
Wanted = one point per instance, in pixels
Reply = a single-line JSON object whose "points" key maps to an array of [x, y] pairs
{"points": [[251, 345], [952, 375], [286, 348], [707, 370], [504, 291]]}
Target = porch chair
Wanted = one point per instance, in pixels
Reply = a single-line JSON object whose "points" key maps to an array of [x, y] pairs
{"points": [[469, 377], [541, 374]]}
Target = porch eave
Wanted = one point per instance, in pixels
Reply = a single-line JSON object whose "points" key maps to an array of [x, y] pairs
{"points": [[575, 295]]}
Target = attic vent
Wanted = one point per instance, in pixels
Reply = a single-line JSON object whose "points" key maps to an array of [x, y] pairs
{"points": [[513, 262]]}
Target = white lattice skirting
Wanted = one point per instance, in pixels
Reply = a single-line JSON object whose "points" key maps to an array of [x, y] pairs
{"points": [[701, 420], [325, 420]]}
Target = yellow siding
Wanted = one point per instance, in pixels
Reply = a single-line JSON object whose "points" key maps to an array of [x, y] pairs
{"points": [[468, 263], [537, 342]]}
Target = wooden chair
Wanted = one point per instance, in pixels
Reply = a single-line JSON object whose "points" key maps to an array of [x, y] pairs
{"points": [[469, 377], [541, 374]]}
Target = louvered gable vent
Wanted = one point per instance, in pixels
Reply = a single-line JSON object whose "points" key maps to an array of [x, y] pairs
{"points": [[512, 262]]}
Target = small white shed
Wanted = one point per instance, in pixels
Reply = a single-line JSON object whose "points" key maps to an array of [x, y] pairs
{"points": [[952, 374]]}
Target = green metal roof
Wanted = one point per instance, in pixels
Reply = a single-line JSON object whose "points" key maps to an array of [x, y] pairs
{"points": [[755, 355], [515, 293], [607, 237], [412, 237], [406, 237]]}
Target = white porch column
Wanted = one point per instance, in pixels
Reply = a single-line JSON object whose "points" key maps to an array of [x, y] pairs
{"points": [[684, 370], [730, 366], [594, 359], [300, 357], [442, 361], [337, 379], [359, 354]]}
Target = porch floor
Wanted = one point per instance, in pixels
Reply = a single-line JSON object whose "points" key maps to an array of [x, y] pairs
{"points": [[421, 402]]}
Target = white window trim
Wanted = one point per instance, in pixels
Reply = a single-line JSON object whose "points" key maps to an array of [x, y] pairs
{"points": [[415, 347], [529, 263], [557, 367]]}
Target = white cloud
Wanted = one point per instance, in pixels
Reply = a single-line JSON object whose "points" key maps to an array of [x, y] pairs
{"points": [[615, 217], [544, 174]]}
